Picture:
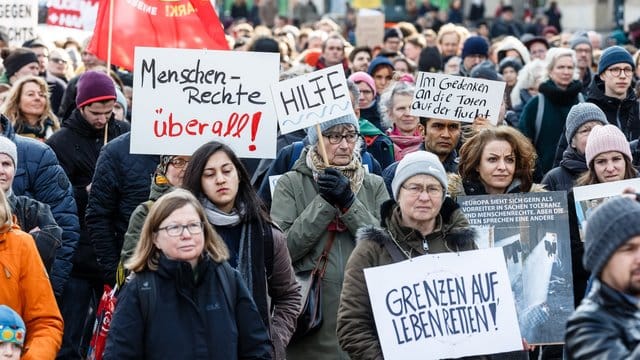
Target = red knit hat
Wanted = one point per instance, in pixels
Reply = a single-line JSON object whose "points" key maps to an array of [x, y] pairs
{"points": [[94, 86]]}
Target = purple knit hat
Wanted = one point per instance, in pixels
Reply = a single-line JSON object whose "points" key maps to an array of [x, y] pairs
{"points": [[604, 139], [361, 76], [94, 86]]}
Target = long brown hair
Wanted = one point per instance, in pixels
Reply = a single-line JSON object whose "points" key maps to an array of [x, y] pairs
{"points": [[146, 254], [11, 106], [589, 177]]}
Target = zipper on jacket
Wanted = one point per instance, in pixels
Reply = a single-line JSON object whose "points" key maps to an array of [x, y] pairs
{"points": [[425, 245]]}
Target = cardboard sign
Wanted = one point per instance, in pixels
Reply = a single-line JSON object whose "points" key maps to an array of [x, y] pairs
{"points": [[185, 98], [75, 14], [311, 99], [444, 306], [533, 231], [457, 98], [588, 198], [19, 18], [369, 27]]}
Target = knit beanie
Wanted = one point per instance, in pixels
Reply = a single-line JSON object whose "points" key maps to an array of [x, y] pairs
{"points": [[120, 99], [416, 163], [475, 45], [349, 119], [581, 114], [579, 39], [430, 60], [604, 139], [611, 225], [379, 61], [12, 328], [510, 62], [485, 70], [9, 147], [94, 86], [17, 59], [362, 76], [614, 55]]}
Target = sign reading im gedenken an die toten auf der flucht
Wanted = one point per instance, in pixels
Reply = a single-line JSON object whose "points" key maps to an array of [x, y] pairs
{"points": [[445, 305], [457, 98], [185, 98], [311, 99]]}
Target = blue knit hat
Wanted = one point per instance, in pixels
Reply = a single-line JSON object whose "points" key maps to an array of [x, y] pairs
{"points": [[12, 328], [475, 45], [614, 55], [610, 226], [379, 61], [349, 119]]}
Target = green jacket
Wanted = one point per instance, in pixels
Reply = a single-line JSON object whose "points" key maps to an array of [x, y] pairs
{"points": [[356, 326], [304, 216]]}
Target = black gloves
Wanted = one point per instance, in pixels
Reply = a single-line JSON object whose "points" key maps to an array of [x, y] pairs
{"points": [[335, 188]]}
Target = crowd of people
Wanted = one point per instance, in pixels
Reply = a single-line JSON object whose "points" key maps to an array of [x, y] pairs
{"points": [[205, 252]]}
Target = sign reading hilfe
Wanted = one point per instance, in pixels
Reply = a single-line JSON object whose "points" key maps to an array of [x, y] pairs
{"points": [[185, 98], [457, 98], [444, 306], [311, 98]]}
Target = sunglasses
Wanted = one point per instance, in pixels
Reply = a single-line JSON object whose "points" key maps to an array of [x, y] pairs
{"points": [[58, 60]]}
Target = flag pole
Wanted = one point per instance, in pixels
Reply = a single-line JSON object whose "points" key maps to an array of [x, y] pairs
{"points": [[109, 41]]}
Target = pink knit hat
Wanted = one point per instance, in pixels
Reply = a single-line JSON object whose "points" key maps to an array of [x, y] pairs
{"points": [[361, 76], [604, 139]]}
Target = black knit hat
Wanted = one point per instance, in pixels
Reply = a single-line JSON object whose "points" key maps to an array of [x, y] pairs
{"points": [[18, 58], [430, 60], [610, 226]]}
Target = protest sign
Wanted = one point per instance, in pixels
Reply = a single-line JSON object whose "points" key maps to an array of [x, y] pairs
{"points": [[311, 99], [533, 231], [369, 27], [587, 198], [75, 14], [19, 18], [185, 98], [457, 98], [444, 306]]}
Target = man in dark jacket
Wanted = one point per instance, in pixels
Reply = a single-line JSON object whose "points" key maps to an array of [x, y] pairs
{"points": [[39, 176], [77, 145], [605, 325]]}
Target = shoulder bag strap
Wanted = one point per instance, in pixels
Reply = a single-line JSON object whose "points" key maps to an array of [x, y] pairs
{"points": [[321, 265]]}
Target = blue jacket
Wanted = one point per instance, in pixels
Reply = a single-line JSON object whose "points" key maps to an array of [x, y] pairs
{"points": [[120, 183], [40, 176], [193, 321]]}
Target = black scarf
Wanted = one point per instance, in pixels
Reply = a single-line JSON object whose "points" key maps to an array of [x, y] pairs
{"points": [[559, 96]]}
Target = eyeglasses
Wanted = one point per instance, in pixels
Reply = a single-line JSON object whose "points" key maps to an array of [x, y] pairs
{"points": [[179, 163], [431, 190], [616, 71], [585, 131], [193, 228], [58, 60], [11, 334], [337, 138]]}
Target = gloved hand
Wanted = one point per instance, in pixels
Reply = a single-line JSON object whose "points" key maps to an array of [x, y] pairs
{"points": [[335, 188]]}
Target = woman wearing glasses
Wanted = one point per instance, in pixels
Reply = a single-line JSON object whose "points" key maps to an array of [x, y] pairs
{"points": [[257, 248], [169, 175], [320, 206], [184, 301], [420, 220]]}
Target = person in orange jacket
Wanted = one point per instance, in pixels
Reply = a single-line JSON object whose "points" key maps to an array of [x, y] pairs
{"points": [[25, 287]]}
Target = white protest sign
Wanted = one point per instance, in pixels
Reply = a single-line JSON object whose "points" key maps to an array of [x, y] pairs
{"points": [[311, 98], [444, 306], [369, 27], [185, 98], [457, 98], [19, 19]]}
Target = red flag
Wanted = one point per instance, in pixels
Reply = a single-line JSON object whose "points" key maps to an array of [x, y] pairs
{"points": [[186, 24]]}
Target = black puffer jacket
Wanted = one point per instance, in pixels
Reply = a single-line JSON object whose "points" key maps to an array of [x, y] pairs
{"points": [[605, 326], [564, 176], [621, 113], [120, 183]]}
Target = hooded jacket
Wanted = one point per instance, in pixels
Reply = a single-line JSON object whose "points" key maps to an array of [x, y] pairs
{"points": [[622, 113], [356, 326], [564, 176]]}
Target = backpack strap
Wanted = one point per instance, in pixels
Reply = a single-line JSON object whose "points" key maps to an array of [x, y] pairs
{"points": [[146, 293], [226, 274], [539, 114], [297, 150]]}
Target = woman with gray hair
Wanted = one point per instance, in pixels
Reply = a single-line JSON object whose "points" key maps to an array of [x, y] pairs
{"points": [[404, 129], [543, 118], [320, 204]]}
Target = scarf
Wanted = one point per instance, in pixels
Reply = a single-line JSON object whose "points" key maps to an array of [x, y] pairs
{"points": [[354, 170], [559, 96], [403, 145]]}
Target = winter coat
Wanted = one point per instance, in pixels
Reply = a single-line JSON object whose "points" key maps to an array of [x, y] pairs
{"points": [[77, 145], [605, 326], [622, 113], [57, 89], [557, 104], [378, 144], [36, 132], [565, 175], [40, 176], [305, 217], [356, 326], [460, 187], [194, 319], [24, 287], [120, 183]]}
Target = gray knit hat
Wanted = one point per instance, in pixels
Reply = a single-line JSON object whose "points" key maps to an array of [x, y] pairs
{"points": [[579, 39], [8, 147], [610, 226], [415, 163], [349, 119], [581, 114]]}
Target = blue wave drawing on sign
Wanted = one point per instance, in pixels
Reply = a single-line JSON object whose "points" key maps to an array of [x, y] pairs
{"points": [[332, 108]]}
